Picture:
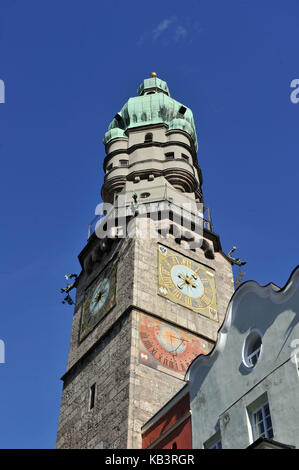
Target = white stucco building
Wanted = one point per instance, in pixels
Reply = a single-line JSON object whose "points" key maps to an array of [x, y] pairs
{"points": [[247, 388]]}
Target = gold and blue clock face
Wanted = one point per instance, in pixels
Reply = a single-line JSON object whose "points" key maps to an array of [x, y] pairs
{"points": [[187, 282], [99, 299]]}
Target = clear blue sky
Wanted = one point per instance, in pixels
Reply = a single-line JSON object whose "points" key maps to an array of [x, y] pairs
{"points": [[68, 67]]}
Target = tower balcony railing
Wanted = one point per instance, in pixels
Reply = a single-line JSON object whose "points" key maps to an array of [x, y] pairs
{"points": [[123, 201]]}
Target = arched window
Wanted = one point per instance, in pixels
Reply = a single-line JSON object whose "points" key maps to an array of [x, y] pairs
{"points": [[148, 137], [174, 445]]}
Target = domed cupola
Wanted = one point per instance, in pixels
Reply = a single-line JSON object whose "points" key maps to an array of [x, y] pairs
{"points": [[153, 105], [151, 149], [153, 85]]}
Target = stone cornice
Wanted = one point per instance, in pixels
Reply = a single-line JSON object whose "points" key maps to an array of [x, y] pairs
{"points": [[186, 177], [150, 160], [132, 149]]}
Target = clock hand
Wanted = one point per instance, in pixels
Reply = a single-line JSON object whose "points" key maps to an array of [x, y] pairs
{"points": [[177, 347], [99, 296], [189, 281]]}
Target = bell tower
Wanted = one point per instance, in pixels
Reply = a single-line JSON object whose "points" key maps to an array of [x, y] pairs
{"points": [[154, 284]]}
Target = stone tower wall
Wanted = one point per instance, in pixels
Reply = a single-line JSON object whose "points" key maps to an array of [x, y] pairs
{"points": [[128, 392]]}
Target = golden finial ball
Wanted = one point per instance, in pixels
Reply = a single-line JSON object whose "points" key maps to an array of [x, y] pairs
{"points": [[153, 75]]}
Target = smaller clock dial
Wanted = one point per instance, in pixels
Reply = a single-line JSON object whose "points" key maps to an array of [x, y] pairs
{"points": [[100, 297]]}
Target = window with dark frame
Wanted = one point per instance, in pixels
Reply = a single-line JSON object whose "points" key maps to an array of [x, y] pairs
{"points": [[148, 138], [92, 395], [169, 156], [124, 163]]}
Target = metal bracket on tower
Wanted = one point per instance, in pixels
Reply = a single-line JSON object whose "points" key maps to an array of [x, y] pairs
{"points": [[68, 288], [233, 260], [239, 263], [135, 204]]}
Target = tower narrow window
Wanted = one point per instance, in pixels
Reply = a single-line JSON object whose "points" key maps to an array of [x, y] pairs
{"points": [[148, 138], [92, 395], [185, 157], [124, 163], [169, 156]]}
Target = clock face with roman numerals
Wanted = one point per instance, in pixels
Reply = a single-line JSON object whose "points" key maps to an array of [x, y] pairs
{"points": [[187, 282], [167, 347]]}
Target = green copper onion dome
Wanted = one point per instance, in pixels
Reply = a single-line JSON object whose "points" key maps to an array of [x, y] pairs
{"points": [[153, 105]]}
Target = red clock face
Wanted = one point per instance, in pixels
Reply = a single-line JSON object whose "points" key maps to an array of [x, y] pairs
{"points": [[165, 346]]}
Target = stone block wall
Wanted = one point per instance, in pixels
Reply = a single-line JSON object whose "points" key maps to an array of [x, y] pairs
{"points": [[128, 392], [107, 366]]}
